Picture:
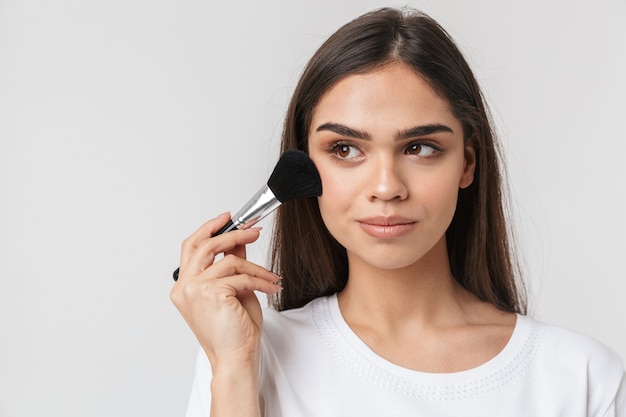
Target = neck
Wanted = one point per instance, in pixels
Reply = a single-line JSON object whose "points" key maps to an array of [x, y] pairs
{"points": [[420, 318], [424, 293]]}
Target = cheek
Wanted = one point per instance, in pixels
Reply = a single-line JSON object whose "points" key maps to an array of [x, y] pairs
{"points": [[339, 192], [445, 199], [333, 187], [439, 191]]}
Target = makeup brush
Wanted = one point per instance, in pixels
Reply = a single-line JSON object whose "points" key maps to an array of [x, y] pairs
{"points": [[293, 177]]}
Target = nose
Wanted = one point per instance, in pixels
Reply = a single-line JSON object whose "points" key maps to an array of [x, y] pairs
{"points": [[386, 180]]}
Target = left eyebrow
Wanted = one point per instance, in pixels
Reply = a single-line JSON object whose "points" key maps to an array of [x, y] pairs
{"points": [[413, 132], [422, 131]]}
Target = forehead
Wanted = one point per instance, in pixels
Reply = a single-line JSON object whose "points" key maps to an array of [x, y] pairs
{"points": [[394, 90]]}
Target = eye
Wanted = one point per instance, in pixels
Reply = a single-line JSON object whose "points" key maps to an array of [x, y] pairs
{"points": [[344, 150], [420, 149]]}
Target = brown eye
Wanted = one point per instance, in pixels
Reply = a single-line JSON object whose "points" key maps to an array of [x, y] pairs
{"points": [[343, 151], [414, 149], [421, 149]]}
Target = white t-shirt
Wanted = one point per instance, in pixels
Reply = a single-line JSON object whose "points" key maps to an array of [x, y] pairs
{"points": [[313, 364]]}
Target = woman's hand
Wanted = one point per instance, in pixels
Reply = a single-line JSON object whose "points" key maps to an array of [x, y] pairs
{"points": [[217, 299]]}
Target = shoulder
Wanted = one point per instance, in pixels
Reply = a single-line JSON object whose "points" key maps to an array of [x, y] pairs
{"points": [[293, 340], [293, 317], [281, 329], [577, 348], [579, 359]]}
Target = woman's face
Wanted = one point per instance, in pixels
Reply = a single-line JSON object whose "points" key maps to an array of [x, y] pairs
{"points": [[392, 157]]}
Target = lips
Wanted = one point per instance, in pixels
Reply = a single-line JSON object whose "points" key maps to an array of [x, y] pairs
{"points": [[386, 227]]}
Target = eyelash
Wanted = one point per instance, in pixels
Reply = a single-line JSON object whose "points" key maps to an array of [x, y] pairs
{"points": [[436, 149], [336, 146]]}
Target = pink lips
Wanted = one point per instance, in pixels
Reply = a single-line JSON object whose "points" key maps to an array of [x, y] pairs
{"points": [[386, 227]]}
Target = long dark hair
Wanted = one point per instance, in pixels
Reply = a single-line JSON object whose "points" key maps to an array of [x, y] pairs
{"points": [[311, 262]]}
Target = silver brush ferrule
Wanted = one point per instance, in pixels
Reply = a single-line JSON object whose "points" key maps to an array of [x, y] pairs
{"points": [[259, 206]]}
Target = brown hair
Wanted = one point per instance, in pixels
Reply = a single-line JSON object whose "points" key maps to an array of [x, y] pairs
{"points": [[311, 262]]}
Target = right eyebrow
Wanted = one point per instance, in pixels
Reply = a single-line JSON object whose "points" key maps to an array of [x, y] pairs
{"points": [[344, 130]]}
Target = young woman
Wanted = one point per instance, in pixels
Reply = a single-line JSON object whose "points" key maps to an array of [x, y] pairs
{"points": [[398, 292]]}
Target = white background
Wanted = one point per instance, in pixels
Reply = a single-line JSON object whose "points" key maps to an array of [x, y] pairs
{"points": [[124, 124]]}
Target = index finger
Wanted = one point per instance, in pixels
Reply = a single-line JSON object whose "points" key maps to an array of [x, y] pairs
{"points": [[205, 231], [210, 227], [198, 259]]}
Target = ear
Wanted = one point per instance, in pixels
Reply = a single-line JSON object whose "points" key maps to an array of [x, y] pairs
{"points": [[470, 165]]}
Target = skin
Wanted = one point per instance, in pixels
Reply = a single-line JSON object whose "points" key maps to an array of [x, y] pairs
{"points": [[392, 158], [218, 303]]}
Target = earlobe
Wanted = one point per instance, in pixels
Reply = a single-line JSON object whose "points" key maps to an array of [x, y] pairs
{"points": [[469, 167]]}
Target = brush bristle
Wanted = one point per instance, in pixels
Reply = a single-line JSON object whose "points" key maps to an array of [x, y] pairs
{"points": [[295, 176]]}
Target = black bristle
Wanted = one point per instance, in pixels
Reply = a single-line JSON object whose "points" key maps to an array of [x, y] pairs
{"points": [[295, 176]]}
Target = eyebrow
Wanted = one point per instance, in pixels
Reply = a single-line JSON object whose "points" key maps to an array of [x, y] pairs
{"points": [[344, 130], [412, 132]]}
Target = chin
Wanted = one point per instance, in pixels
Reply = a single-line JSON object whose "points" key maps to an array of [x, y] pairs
{"points": [[387, 260]]}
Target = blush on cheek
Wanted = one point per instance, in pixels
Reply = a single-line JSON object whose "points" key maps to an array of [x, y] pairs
{"points": [[334, 185], [446, 196]]}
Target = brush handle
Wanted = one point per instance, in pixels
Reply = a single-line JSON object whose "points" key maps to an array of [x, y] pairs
{"points": [[226, 228], [260, 205]]}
